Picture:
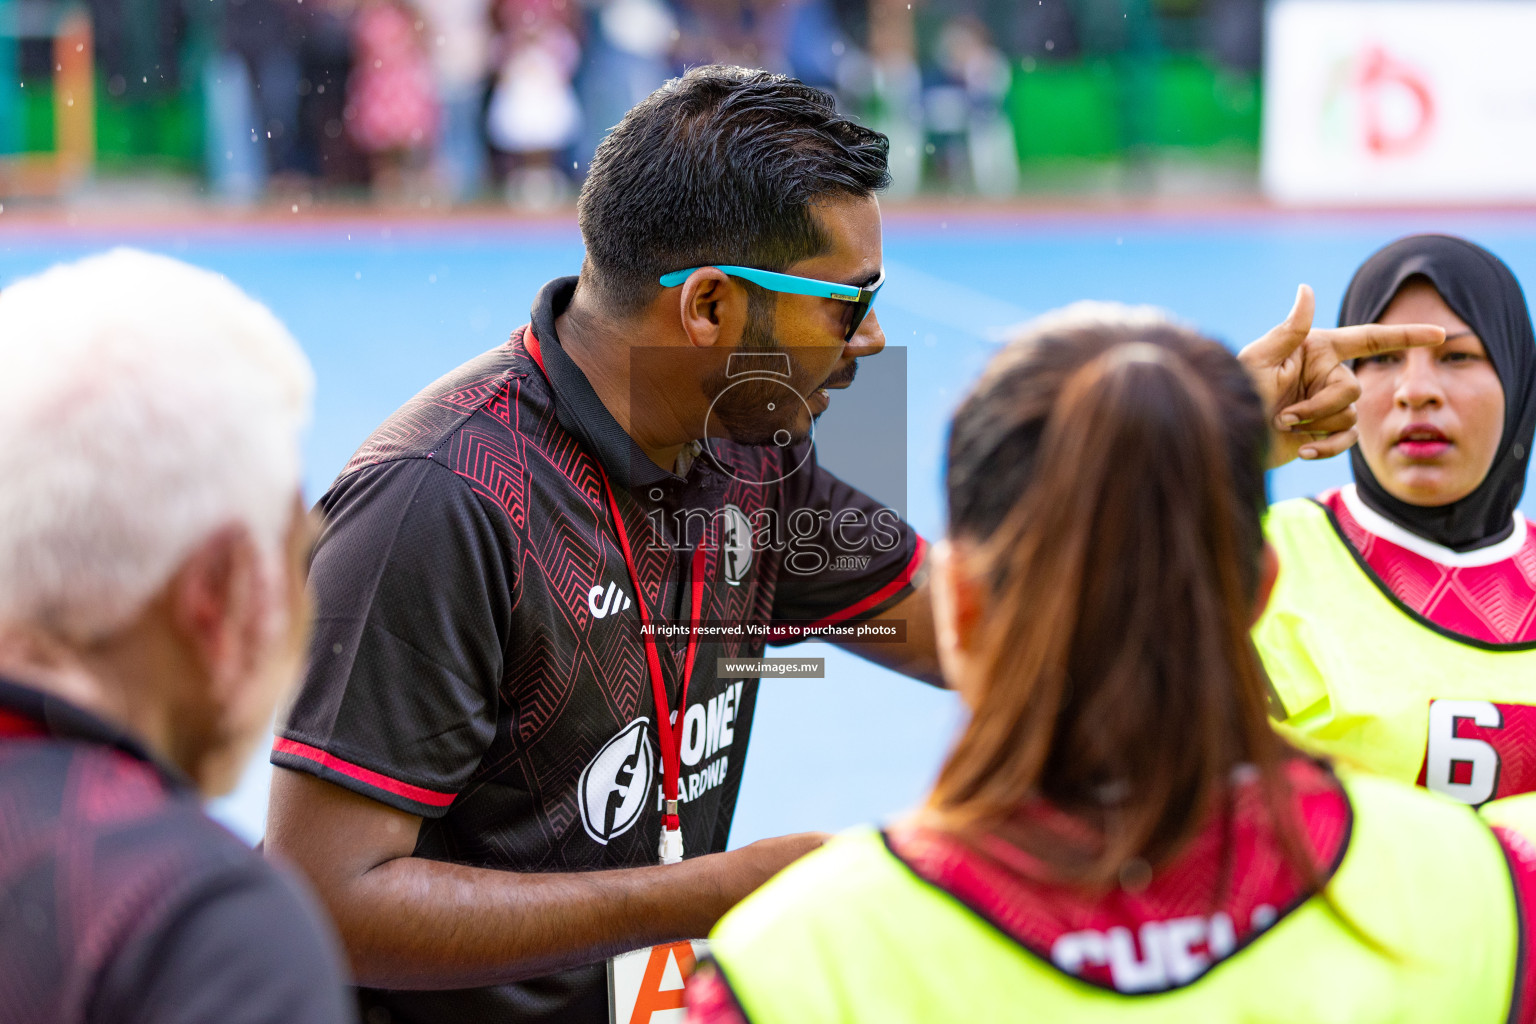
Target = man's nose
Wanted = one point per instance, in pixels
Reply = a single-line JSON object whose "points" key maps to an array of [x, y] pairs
{"points": [[868, 340]]}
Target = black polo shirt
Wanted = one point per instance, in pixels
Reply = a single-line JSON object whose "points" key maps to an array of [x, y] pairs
{"points": [[478, 659], [121, 902]]}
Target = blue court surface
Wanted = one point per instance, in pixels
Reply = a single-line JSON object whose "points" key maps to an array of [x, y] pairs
{"points": [[384, 308]]}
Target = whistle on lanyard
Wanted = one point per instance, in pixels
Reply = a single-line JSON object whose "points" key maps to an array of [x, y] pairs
{"points": [[671, 849]]}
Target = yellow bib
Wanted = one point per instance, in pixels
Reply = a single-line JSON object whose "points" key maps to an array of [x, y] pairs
{"points": [[850, 934], [1368, 681]]}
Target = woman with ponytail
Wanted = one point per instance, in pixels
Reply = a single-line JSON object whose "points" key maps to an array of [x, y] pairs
{"points": [[1118, 833], [1402, 635]]}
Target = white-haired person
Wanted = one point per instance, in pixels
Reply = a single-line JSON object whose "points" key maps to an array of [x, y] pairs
{"points": [[153, 610]]}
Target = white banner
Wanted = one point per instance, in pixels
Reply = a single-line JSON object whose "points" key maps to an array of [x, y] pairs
{"points": [[1400, 101]]}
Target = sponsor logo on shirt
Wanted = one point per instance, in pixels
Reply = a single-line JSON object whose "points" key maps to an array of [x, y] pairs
{"points": [[605, 602], [1171, 953], [613, 786], [735, 544]]}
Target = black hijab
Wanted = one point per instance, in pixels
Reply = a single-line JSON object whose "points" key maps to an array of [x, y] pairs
{"points": [[1481, 290]]}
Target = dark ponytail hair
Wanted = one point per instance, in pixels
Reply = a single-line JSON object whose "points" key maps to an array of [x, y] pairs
{"points": [[1106, 488]]}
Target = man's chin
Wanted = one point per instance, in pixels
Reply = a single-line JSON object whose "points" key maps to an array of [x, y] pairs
{"points": [[775, 435]]}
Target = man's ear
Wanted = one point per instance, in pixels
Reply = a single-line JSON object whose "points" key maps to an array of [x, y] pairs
{"points": [[214, 606], [1269, 572], [714, 308]]}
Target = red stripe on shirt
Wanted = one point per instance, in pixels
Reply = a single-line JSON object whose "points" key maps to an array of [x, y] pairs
{"points": [[884, 593], [531, 343], [430, 797]]}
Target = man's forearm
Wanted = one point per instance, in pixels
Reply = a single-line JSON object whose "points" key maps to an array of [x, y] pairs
{"points": [[412, 923], [918, 656], [408, 922]]}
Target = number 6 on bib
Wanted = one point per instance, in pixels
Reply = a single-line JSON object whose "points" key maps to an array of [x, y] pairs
{"points": [[1446, 752]]}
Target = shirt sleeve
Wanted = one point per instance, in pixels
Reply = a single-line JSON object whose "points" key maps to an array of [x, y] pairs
{"points": [[849, 557], [413, 587], [244, 947]]}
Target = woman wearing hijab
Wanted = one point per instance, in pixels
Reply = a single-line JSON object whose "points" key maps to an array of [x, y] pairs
{"points": [[1402, 634], [1118, 834]]}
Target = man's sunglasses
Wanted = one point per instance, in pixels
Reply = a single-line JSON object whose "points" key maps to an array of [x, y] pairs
{"points": [[860, 298]]}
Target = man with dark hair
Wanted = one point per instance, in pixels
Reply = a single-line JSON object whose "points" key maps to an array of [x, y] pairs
{"points": [[720, 164], [510, 732], [536, 576]]}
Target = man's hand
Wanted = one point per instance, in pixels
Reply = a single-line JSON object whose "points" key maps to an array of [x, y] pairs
{"points": [[757, 862], [412, 923], [1303, 377]]}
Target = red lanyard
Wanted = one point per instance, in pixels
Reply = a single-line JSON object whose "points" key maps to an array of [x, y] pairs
{"points": [[669, 733]]}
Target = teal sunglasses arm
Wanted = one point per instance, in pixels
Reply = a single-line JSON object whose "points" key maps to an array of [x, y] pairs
{"points": [[774, 282]]}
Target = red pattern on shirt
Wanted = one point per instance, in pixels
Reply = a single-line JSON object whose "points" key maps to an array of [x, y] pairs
{"points": [[1493, 603]]}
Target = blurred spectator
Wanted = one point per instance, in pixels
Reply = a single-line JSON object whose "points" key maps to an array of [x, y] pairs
{"points": [[534, 114], [894, 100], [251, 90], [972, 139], [325, 61], [628, 51], [459, 41], [391, 105]]}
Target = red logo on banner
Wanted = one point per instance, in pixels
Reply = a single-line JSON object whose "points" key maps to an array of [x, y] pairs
{"points": [[1397, 108]]}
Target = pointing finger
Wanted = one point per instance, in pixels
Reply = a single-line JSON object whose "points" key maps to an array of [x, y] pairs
{"points": [[1281, 341], [1373, 339]]}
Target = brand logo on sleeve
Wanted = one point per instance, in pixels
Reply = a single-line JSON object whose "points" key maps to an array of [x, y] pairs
{"points": [[613, 786], [609, 601]]}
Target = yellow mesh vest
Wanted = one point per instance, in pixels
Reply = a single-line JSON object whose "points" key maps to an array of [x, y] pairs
{"points": [[849, 934], [1356, 671]]}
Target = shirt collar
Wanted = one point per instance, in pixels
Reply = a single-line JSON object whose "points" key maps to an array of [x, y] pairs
{"points": [[577, 406], [60, 719], [1378, 524]]}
